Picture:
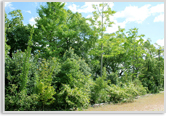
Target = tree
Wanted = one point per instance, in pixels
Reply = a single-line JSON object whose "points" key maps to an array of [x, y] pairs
{"points": [[7, 47], [49, 27], [17, 35], [26, 65], [16, 80], [58, 31], [101, 20], [134, 52], [114, 50], [150, 71], [78, 35]]}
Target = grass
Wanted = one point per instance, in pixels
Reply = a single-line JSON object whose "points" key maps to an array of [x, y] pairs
{"points": [[154, 102]]}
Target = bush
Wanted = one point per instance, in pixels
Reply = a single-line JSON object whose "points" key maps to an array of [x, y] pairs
{"points": [[117, 94], [127, 92], [43, 81], [37, 88], [73, 98], [99, 91], [13, 70], [113, 77], [72, 83], [139, 87], [21, 102]]}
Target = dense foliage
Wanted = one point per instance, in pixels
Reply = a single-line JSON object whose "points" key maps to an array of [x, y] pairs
{"points": [[57, 65]]}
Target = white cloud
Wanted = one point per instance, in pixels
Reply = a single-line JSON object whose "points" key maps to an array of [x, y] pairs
{"points": [[114, 27], [65, 3], [89, 15], [28, 11], [157, 9], [145, 39], [130, 13], [160, 42], [9, 5], [136, 14], [73, 8], [32, 21], [87, 7], [159, 18]]}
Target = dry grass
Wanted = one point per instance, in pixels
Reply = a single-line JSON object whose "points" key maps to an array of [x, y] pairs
{"points": [[154, 102]]}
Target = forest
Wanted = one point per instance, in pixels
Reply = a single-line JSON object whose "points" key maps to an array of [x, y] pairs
{"points": [[67, 62]]}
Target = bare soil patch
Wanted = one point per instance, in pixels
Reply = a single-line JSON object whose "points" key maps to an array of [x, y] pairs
{"points": [[149, 102]]}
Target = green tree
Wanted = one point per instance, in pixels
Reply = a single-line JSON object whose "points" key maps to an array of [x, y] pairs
{"points": [[49, 27], [57, 31], [134, 52], [17, 35], [16, 80], [7, 47], [26, 65], [77, 35], [101, 20], [151, 76]]}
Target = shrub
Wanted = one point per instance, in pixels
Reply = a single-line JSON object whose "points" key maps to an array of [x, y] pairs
{"points": [[20, 101], [99, 91], [139, 87], [113, 77], [127, 92], [117, 94], [43, 81], [74, 98], [72, 83]]}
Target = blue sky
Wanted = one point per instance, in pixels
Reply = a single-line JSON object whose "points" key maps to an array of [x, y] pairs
{"points": [[148, 17]]}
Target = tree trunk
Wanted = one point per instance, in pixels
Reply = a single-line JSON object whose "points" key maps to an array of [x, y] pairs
{"points": [[102, 47]]}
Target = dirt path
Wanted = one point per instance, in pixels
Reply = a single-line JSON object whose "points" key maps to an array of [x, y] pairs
{"points": [[154, 102]]}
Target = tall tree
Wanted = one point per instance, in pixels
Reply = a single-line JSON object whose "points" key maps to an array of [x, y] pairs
{"points": [[17, 35], [134, 52], [101, 19], [7, 47], [150, 75], [59, 29], [79, 35], [49, 27]]}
